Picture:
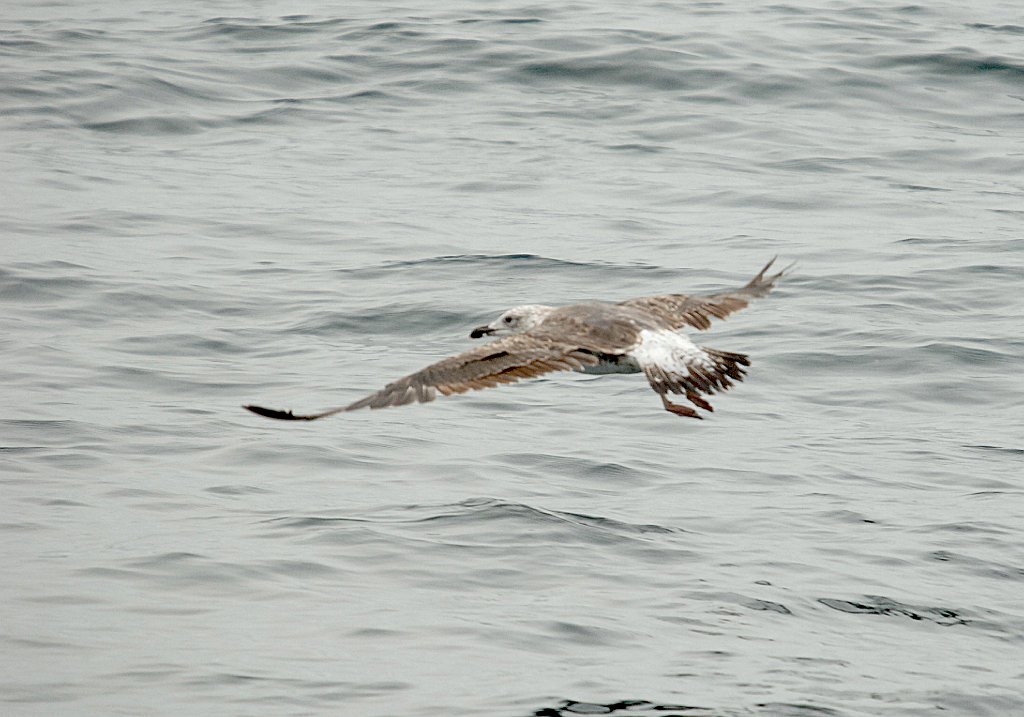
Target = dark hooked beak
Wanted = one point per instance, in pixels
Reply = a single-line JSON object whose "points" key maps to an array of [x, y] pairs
{"points": [[480, 331]]}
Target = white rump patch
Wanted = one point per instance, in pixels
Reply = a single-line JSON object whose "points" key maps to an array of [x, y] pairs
{"points": [[669, 351]]}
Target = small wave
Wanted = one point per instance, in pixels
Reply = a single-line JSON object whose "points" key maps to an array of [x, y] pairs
{"points": [[1008, 29], [584, 468], [44, 282], [151, 125], [877, 605], [249, 29], [534, 263], [635, 708], [658, 69], [1005, 450], [958, 353], [977, 566], [489, 516], [534, 260], [490, 509], [946, 64], [638, 148], [500, 21], [176, 570], [492, 186], [393, 320]]}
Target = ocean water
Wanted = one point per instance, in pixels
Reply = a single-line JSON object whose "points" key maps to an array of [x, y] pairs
{"points": [[209, 204]]}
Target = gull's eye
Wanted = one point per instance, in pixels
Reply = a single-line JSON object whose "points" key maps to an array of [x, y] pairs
{"points": [[508, 319]]}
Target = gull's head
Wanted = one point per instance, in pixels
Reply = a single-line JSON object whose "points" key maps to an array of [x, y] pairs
{"points": [[514, 321]]}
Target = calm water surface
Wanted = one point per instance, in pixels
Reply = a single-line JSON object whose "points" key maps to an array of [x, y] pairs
{"points": [[217, 203]]}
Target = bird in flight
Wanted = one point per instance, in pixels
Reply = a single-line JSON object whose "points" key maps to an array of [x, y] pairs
{"points": [[641, 335]]}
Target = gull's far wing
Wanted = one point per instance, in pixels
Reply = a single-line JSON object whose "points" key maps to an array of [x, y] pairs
{"points": [[678, 310], [506, 360]]}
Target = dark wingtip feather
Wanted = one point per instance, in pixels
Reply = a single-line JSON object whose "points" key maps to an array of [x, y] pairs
{"points": [[765, 282], [272, 413]]}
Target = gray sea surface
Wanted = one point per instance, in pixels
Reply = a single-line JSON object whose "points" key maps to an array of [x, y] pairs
{"points": [[209, 204]]}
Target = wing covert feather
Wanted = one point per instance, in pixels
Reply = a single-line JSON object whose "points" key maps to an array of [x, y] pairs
{"points": [[506, 360], [679, 310]]}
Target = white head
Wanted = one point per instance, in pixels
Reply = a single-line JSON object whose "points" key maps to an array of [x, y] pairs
{"points": [[514, 321]]}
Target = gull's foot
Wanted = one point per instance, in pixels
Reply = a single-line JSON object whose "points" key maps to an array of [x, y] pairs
{"points": [[680, 410], [698, 401]]}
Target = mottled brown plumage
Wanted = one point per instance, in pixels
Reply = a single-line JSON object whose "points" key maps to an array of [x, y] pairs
{"points": [[678, 310], [596, 337]]}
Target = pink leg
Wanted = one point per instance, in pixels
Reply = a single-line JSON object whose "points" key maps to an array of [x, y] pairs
{"points": [[679, 410]]}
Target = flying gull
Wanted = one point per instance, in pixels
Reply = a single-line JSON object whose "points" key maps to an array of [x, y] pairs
{"points": [[641, 335]]}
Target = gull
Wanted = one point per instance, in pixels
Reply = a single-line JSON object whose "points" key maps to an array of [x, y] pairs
{"points": [[642, 335]]}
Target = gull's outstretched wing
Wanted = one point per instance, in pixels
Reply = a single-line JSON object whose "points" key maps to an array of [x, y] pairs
{"points": [[506, 360], [675, 311]]}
